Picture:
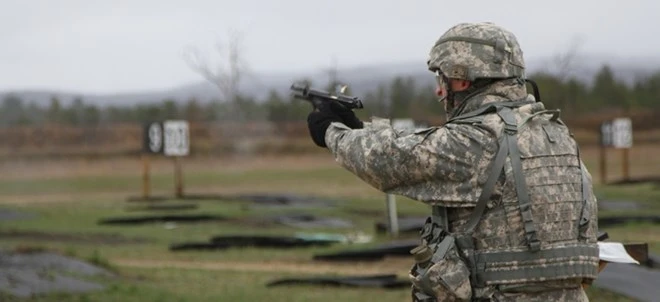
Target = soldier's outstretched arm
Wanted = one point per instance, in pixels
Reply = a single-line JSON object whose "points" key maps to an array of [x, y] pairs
{"points": [[430, 165]]}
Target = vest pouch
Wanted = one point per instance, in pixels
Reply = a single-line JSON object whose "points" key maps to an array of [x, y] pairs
{"points": [[445, 276]]}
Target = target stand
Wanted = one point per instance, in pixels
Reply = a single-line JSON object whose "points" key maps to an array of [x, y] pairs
{"points": [[170, 138]]}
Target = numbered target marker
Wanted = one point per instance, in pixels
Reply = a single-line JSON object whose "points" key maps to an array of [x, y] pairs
{"points": [[622, 136], [617, 133], [153, 137], [176, 138], [155, 133]]}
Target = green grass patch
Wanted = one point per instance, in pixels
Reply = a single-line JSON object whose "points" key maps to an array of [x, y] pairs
{"points": [[71, 227]]}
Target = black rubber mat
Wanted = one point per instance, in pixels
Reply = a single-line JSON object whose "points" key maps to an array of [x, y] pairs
{"points": [[631, 280], [29, 275], [638, 180], [262, 241], [617, 220], [8, 214], [395, 248], [163, 207], [269, 241], [652, 262], [131, 220], [383, 281], [198, 246]]}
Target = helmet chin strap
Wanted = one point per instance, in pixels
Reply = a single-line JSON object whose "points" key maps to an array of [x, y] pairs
{"points": [[458, 97], [449, 98]]}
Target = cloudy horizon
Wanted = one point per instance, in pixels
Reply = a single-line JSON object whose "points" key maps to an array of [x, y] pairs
{"points": [[120, 46]]}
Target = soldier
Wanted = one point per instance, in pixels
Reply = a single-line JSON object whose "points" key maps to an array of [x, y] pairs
{"points": [[513, 215]]}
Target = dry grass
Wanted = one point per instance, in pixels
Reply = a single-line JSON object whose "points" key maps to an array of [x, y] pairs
{"points": [[126, 166], [400, 265]]}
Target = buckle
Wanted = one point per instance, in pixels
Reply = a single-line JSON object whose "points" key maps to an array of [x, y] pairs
{"points": [[583, 221], [535, 245], [510, 129], [427, 228]]}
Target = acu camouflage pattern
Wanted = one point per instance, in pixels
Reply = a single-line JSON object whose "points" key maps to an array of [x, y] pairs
{"points": [[576, 294], [445, 277], [551, 166], [447, 166], [552, 169], [470, 51], [441, 165]]}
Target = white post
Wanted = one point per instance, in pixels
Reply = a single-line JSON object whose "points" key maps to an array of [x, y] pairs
{"points": [[403, 127], [392, 215]]}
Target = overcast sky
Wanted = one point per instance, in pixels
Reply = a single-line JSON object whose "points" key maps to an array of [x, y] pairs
{"points": [[103, 46]]}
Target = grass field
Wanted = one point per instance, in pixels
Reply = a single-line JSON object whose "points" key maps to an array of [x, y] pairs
{"points": [[67, 198]]}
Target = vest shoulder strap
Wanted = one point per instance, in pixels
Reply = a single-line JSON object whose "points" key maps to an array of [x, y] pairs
{"points": [[508, 147]]}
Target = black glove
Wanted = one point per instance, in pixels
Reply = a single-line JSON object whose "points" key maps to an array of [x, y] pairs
{"points": [[346, 115], [318, 122]]}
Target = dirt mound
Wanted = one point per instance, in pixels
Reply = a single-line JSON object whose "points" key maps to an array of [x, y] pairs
{"points": [[31, 274]]}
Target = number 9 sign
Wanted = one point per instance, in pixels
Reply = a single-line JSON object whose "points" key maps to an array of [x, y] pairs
{"points": [[152, 141], [155, 137]]}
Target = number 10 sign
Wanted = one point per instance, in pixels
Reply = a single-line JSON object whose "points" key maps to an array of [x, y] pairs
{"points": [[176, 138]]}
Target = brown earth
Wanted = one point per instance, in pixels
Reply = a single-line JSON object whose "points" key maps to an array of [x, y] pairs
{"points": [[395, 265]]}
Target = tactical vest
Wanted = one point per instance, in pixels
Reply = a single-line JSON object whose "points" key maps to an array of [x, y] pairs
{"points": [[542, 227]]}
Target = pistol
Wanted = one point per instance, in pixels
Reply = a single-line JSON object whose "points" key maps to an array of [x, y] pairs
{"points": [[316, 97]]}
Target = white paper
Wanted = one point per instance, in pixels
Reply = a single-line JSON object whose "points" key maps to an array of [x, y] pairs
{"points": [[614, 252]]}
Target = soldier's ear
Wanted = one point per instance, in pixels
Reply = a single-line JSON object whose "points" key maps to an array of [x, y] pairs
{"points": [[461, 85], [465, 84]]}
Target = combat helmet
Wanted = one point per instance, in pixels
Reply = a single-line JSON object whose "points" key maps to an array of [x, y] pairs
{"points": [[471, 51]]}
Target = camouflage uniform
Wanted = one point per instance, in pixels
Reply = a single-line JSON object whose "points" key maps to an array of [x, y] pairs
{"points": [[447, 167]]}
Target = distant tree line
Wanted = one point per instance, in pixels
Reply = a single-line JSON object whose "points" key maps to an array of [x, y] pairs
{"points": [[402, 97]]}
